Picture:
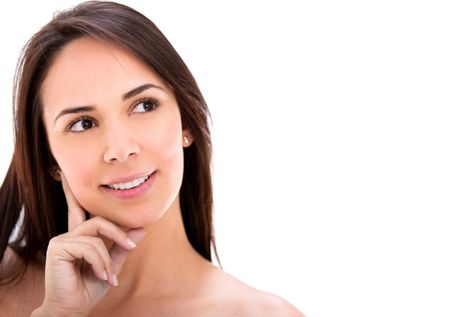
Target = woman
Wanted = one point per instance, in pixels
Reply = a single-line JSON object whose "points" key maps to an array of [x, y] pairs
{"points": [[111, 169]]}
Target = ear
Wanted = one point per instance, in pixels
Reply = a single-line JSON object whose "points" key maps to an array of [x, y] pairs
{"points": [[187, 138], [54, 172]]}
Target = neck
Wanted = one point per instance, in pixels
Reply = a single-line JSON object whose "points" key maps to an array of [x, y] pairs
{"points": [[164, 263]]}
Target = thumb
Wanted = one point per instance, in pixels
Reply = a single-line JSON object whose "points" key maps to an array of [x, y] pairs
{"points": [[119, 255]]}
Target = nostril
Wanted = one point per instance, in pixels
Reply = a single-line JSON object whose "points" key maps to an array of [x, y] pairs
{"points": [[120, 155]]}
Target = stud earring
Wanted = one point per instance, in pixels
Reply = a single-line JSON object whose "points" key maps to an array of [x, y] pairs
{"points": [[186, 140]]}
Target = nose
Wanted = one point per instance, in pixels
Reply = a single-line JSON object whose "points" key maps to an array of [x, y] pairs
{"points": [[120, 146]]}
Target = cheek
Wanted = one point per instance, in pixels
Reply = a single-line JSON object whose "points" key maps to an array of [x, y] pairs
{"points": [[167, 146], [78, 174], [77, 166]]}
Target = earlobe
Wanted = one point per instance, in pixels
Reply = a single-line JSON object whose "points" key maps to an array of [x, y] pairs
{"points": [[54, 172], [187, 138]]}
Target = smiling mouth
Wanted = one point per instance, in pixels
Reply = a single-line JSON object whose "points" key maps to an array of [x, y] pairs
{"points": [[129, 185]]}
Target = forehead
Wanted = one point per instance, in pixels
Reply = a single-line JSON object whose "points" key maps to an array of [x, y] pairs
{"points": [[86, 70]]}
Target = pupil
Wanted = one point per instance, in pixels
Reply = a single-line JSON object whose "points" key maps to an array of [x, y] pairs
{"points": [[86, 124], [147, 106]]}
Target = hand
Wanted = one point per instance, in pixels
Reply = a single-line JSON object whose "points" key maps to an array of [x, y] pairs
{"points": [[79, 269]]}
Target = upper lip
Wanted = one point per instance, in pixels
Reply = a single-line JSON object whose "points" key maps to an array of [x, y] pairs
{"points": [[129, 178]]}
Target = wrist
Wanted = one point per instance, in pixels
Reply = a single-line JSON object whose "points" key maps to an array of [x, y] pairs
{"points": [[38, 312], [41, 311]]}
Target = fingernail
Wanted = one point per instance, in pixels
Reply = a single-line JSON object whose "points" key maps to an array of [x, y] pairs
{"points": [[114, 280], [105, 276], [131, 243]]}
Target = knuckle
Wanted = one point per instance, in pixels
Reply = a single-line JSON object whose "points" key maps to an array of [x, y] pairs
{"points": [[99, 220], [55, 244], [52, 242], [92, 248], [104, 223], [55, 240], [98, 242]]}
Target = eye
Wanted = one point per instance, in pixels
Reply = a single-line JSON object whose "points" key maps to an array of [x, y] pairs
{"points": [[145, 105], [80, 124]]}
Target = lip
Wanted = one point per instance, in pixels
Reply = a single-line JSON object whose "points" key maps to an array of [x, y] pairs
{"points": [[133, 192], [127, 179]]}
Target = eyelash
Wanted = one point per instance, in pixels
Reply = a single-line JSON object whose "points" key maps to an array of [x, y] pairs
{"points": [[154, 102]]}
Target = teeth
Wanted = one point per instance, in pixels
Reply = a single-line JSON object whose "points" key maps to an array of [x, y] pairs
{"points": [[129, 185]]}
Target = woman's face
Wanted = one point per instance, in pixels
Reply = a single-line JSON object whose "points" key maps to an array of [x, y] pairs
{"points": [[111, 122]]}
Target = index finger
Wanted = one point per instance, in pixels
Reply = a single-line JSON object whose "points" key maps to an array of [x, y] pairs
{"points": [[76, 214]]}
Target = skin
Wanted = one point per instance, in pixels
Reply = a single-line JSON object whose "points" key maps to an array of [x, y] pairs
{"points": [[163, 275], [123, 140]]}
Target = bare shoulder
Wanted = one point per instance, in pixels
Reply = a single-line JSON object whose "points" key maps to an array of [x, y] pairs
{"points": [[6, 268], [20, 297], [267, 304], [8, 257], [6, 298], [244, 300]]}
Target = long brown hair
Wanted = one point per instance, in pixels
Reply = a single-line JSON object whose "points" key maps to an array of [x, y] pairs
{"points": [[28, 185]]}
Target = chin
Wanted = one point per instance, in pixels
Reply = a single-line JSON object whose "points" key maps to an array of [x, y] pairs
{"points": [[137, 220]]}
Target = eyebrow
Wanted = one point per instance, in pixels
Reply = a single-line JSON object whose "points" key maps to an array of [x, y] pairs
{"points": [[130, 94], [136, 91]]}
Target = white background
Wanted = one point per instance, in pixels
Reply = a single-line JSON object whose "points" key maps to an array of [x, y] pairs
{"points": [[331, 143]]}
